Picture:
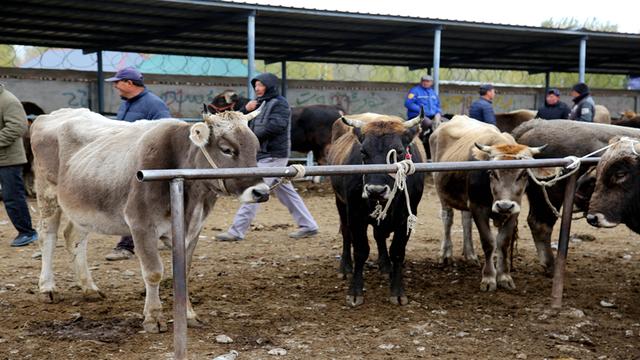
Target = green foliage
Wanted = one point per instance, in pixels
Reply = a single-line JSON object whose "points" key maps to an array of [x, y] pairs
{"points": [[592, 24], [7, 56]]}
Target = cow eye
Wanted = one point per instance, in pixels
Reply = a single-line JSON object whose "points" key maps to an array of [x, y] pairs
{"points": [[227, 150], [620, 175], [522, 174], [492, 174]]}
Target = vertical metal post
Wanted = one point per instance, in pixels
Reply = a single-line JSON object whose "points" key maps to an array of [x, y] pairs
{"points": [[283, 84], [583, 58], [179, 270], [436, 59], [563, 243], [100, 83], [547, 80], [251, 52]]}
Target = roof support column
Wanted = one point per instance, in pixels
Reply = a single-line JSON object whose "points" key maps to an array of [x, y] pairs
{"points": [[436, 59], [283, 83], [583, 59], [547, 80], [100, 83], [251, 52]]}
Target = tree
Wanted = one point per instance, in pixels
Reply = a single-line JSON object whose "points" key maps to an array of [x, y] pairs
{"points": [[573, 23]]}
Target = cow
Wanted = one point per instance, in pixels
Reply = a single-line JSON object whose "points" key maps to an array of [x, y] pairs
{"points": [[310, 125], [375, 139], [616, 198], [563, 138], [508, 121], [85, 166], [628, 118], [32, 110], [602, 115], [487, 194]]}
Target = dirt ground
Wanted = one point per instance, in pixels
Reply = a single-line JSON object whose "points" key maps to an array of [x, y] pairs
{"points": [[269, 292]]}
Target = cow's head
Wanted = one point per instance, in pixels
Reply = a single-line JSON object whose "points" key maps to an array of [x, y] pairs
{"points": [[615, 197], [377, 138], [228, 142], [224, 101], [507, 185]]}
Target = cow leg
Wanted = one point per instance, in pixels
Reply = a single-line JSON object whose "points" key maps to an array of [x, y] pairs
{"points": [[541, 228], [384, 264], [194, 228], [468, 252], [361, 249], [397, 250], [76, 243], [346, 262], [503, 245], [481, 218], [146, 245], [49, 224], [446, 246]]}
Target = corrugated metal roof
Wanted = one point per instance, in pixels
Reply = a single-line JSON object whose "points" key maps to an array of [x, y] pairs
{"points": [[218, 29]]}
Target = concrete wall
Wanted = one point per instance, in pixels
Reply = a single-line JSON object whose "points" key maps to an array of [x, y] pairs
{"points": [[54, 89]]}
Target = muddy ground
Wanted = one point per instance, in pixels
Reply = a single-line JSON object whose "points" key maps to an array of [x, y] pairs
{"points": [[270, 292]]}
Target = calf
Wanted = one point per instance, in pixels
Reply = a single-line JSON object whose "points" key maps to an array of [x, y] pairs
{"points": [[373, 139], [487, 194]]}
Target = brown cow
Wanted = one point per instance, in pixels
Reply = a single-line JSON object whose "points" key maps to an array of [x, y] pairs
{"points": [[85, 166]]}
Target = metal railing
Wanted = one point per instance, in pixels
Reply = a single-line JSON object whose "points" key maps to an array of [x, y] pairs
{"points": [[178, 176]]}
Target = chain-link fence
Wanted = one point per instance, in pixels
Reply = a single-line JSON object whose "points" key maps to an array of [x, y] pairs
{"points": [[69, 59]]}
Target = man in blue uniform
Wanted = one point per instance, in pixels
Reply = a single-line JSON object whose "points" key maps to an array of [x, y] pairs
{"points": [[423, 95], [482, 109]]}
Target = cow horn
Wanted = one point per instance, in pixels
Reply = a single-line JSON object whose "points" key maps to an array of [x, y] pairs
{"points": [[483, 148], [351, 122], [205, 111], [252, 115], [416, 120], [228, 96], [537, 150]]}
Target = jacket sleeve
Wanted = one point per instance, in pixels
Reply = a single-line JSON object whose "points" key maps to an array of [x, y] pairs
{"points": [[566, 110], [15, 123], [489, 115], [410, 102], [438, 109], [277, 121], [586, 113]]}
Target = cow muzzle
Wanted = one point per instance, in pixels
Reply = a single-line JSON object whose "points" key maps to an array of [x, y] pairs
{"points": [[376, 192], [255, 194], [599, 220], [505, 207]]}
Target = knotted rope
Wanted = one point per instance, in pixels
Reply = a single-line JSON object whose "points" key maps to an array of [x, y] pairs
{"points": [[300, 173], [221, 185], [405, 167]]}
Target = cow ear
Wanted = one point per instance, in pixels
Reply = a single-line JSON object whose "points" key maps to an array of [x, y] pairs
{"points": [[481, 152], [199, 134]]}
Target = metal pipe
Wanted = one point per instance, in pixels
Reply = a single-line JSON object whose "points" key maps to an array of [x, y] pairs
{"points": [[251, 52], [332, 170], [436, 59], [283, 83], [563, 243], [547, 81], [583, 58], [179, 270], [100, 83]]}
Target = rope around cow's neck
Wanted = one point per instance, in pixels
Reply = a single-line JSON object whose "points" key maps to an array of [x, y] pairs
{"points": [[405, 167], [573, 167], [221, 185]]}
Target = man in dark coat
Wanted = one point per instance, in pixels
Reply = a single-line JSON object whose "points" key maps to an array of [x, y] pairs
{"points": [[553, 108], [272, 128], [482, 109], [584, 109]]}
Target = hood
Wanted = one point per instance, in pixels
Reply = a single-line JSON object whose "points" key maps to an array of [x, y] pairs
{"points": [[271, 82]]}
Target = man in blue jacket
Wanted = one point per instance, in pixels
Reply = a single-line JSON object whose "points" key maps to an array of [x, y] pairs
{"points": [[482, 109], [138, 104], [272, 127], [423, 95]]}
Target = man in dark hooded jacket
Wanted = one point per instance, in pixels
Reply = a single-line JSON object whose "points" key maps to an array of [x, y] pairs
{"points": [[272, 128], [584, 109]]}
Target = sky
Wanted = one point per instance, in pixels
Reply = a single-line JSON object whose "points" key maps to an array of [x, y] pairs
{"points": [[514, 12]]}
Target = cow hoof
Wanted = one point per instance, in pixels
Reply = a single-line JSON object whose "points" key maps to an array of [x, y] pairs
{"points": [[399, 300], [384, 267], [195, 323], [506, 282], [155, 326], [472, 259], [354, 301], [93, 295], [445, 261], [50, 297], [488, 285]]}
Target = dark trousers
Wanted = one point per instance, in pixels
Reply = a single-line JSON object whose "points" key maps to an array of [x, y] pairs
{"points": [[14, 198], [126, 242]]}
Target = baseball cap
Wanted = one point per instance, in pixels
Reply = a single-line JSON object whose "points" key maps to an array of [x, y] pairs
{"points": [[427, 78], [553, 91], [127, 73]]}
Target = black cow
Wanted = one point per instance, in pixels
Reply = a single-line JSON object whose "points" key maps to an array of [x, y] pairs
{"points": [[564, 138], [369, 142], [310, 125], [616, 199]]}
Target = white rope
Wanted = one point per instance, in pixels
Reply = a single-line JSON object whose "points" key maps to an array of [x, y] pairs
{"points": [[573, 167], [300, 174], [213, 165], [405, 167]]}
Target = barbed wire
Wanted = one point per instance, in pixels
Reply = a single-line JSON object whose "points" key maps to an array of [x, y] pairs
{"points": [[19, 56]]}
